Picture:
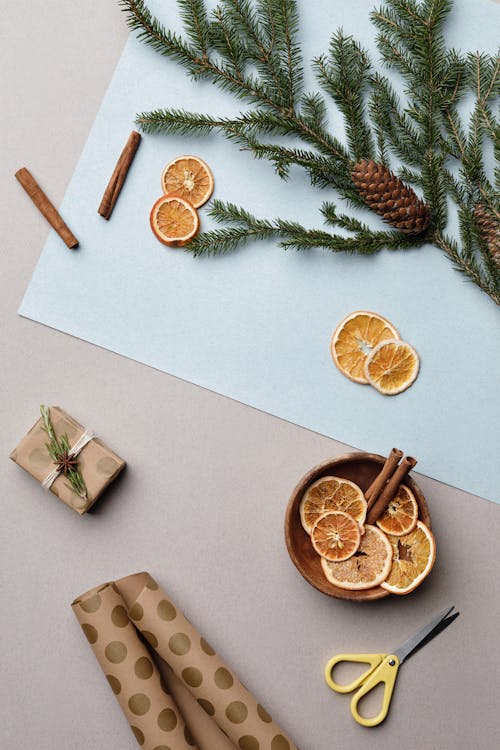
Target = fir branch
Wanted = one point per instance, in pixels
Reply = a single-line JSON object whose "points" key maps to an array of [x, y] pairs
{"points": [[250, 49], [323, 172], [285, 18], [245, 227], [466, 263], [153, 33], [333, 218], [187, 123], [345, 74], [313, 111], [243, 22], [58, 449], [410, 176], [249, 87], [467, 146], [484, 75], [400, 132], [395, 39], [179, 121], [434, 188], [454, 79], [226, 43], [197, 25]]}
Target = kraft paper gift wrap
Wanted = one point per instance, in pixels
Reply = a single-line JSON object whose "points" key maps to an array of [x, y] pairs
{"points": [[98, 464], [130, 671], [111, 617], [206, 733]]}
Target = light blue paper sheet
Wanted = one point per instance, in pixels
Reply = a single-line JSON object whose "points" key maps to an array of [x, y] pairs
{"points": [[255, 325]]}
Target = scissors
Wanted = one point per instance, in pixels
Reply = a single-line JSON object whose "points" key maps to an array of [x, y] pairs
{"points": [[383, 668]]}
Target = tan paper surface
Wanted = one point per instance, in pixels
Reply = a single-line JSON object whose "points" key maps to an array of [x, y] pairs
{"points": [[192, 667], [154, 718], [98, 464], [204, 730]]}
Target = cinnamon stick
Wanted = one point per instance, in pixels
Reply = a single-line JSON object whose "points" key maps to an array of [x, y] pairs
{"points": [[45, 207], [391, 488], [384, 475], [120, 172]]}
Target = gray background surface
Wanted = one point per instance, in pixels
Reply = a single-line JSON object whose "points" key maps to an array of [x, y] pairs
{"points": [[202, 501]]}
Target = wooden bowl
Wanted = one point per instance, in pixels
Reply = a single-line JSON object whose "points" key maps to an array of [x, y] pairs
{"points": [[361, 468]]}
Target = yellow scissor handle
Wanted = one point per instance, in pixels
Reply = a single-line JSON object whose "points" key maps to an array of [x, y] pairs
{"points": [[385, 673], [372, 659]]}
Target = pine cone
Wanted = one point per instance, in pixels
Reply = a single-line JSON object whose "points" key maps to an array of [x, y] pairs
{"points": [[389, 197], [489, 226]]}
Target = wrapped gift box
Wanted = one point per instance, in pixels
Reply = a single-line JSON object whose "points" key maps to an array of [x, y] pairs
{"points": [[98, 465]]}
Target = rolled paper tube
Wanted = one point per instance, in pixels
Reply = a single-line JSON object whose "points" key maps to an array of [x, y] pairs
{"points": [[45, 207], [204, 730], [385, 473], [390, 490], [216, 688], [154, 718]]}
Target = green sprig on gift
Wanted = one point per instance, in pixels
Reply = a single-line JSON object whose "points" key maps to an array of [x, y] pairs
{"points": [[250, 48], [60, 453]]}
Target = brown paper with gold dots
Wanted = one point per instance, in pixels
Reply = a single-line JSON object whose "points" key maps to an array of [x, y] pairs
{"points": [[216, 688], [112, 616], [153, 716], [205, 732], [98, 464]]}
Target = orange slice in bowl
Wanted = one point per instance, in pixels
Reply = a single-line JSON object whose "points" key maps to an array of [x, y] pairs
{"points": [[392, 367], [367, 568], [354, 339], [413, 557], [174, 221], [335, 536], [190, 178], [331, 493], [400, 516]]}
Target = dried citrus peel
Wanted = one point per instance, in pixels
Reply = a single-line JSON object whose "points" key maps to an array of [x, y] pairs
{"points": [[190, 178], [331, 493], [392, 367], [355, 337], [335, 536], [413, 558], [174, 221], [401, 514], [367, 568]]}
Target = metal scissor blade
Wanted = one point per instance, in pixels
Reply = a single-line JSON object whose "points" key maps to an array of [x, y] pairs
{"points": [[432, 628], [442, 625]]}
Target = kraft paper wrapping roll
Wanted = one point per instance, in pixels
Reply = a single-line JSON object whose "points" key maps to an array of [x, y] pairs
{"points": [[205, 732], [153, 716], [110, 616], [195, 663]]}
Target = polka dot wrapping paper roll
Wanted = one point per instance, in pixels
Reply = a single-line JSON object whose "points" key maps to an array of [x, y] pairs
{"points": [[154, 718], [191, 660]]}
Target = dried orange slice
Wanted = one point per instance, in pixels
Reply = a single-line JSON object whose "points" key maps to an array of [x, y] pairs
{"points": [[392, 367], [331, 493], [174, 221], [190, 178], [400, 516], [335, 535], [355, 337], [368, 567], [412, 560]]}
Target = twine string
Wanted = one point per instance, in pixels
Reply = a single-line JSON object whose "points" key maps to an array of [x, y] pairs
{"points": [[80, 444]]}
